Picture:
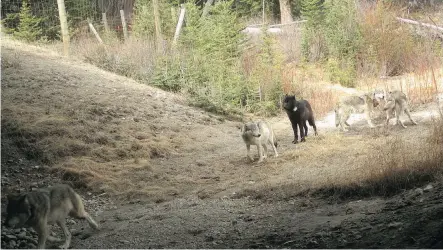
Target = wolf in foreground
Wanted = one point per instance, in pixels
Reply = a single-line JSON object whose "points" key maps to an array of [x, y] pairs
{"points": [[259, 133], [39, 208]]}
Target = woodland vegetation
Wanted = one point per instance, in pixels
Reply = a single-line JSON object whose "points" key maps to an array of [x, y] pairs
{"points": [[227, 71]]}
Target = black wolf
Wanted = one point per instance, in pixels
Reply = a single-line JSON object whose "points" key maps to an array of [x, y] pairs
{"points": [[299, 112]]}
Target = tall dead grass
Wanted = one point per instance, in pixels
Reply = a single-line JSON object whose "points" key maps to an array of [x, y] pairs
{"points": [[134, 58], [396, 166], [350, 166]]}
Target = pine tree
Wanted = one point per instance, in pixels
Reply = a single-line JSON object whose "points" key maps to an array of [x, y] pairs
{"points": [[312, 11], [29, 27]]}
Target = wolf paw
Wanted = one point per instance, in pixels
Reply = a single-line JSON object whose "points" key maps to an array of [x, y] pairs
{"points": [[295, 141], [54, 239], [64, 246]]}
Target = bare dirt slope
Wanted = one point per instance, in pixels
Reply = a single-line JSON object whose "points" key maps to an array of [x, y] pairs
{"points": [[158, 173]]}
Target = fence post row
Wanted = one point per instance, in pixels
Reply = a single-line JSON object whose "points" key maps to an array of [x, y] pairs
{"points": [[105, 22]]}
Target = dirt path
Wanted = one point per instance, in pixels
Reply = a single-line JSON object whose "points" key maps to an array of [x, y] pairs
{"points": [[185, 171]]}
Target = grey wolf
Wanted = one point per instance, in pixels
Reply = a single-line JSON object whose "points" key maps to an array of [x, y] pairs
{"points": [[354, 104], [298, 113], [39, 208], [397, 103], [259, 133]]}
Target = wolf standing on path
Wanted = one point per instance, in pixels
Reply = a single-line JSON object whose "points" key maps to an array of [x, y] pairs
{"points": [[259, 133], [39, 208], [397, 102], [299, 112], [354, 104]]}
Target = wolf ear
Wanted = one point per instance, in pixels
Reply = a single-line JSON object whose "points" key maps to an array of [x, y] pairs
{"points": [[242, 127]]}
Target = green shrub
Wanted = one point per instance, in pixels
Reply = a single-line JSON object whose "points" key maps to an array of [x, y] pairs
{"points": [[344, 75], [143, 22], [206, 63], [28, 28]]}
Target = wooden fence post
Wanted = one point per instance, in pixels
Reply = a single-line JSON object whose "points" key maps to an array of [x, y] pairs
{"points": [[158, 31], [105, 22], [63, 26], [125, 28], [94, 31], [179, 24], [207, 7]]}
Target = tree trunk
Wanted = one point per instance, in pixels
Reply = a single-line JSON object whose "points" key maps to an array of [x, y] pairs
{"points": [[285, 11]]}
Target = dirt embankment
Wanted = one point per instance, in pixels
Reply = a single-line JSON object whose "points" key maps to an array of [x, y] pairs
{"points": [[158, 173]]}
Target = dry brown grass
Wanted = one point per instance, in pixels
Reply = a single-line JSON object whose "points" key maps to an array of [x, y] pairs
{"points": [[133, 58], [354, 166], [94, 131]]}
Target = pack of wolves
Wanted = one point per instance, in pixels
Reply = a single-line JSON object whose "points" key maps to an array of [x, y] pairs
{"points": [[300, 114], [395, 104], [40, 208]]}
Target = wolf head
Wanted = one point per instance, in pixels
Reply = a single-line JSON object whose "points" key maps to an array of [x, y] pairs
{"points": [[378, 96], [251, 128], [290, 103], [18, 211]]}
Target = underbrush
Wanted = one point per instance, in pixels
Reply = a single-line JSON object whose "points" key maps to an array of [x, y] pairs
{"points": [[134, 58], [395, 167]]}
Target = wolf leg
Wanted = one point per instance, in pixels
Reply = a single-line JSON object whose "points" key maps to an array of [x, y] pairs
{"points": [[388, 116], [302, 134], [409, 115], [67, 234], [248, 148], [312, 123], [305, 127], [42, 230], [343, 120], [398, 112], [294, 128], [260, 152], [368, 118], [271, 140], [265, 151]]}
